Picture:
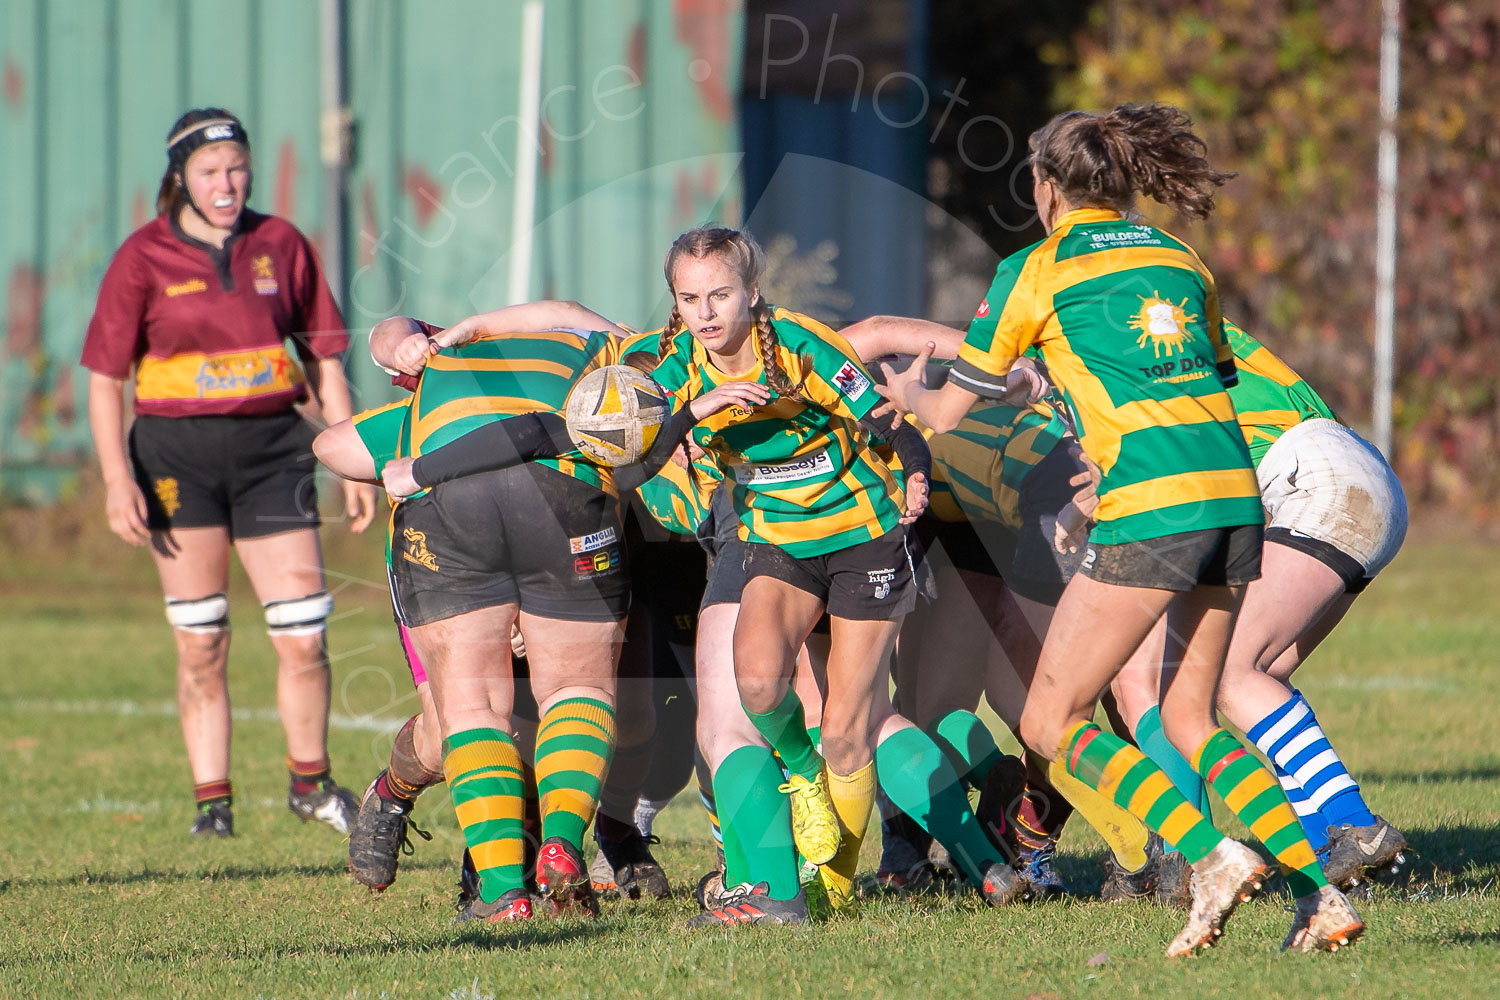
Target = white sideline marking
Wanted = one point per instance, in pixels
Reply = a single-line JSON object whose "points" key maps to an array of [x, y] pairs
{"points": [[124, 709]]}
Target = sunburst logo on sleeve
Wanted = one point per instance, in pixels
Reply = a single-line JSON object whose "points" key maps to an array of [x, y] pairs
{"points": [[1163, 324]]}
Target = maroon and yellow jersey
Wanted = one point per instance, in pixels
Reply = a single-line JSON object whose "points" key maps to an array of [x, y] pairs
{"points": [[206, 328]]}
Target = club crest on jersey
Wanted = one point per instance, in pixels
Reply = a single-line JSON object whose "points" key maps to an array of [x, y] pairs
{"points": [[264, 272], [588, 543], [983, 310], [1162, 324], [850, 381]]}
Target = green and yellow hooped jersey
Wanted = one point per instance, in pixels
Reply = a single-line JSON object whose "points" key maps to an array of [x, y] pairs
{"points": [[1127, 319], [804, 474], [1270, 398], [678, 500], [978, 467], [381, 431], [506, 376]]}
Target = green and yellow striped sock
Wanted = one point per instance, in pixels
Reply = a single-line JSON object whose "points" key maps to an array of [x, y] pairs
{"points": [[1108, 764], [483, 769], [573, 746], [1255, 796]]}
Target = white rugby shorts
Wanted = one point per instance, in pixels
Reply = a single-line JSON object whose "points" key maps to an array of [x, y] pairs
{"points": [[1320, 480]]}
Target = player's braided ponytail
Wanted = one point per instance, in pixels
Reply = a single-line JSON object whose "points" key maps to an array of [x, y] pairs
{"points": [[765, 347], [748, 260], [669, 333], [1103, 160]]}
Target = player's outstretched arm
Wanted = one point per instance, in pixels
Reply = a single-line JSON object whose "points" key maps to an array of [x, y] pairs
{"points": [[526, 438], [528, 317], [883, 336]]}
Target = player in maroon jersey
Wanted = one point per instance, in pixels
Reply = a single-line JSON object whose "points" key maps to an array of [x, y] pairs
{"points": [[196, 308]]}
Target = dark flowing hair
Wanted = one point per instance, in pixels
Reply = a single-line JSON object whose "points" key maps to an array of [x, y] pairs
{"points": [[1104, 159]]}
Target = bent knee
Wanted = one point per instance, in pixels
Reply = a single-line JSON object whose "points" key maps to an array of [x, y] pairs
{"points": [[1042, 730]]}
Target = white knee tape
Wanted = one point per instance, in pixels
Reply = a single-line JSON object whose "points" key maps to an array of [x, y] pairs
{"points": [[300, 615], [204, 616]]}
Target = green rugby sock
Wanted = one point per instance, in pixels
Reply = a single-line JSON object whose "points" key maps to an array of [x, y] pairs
{"points": [[919, 781], [785, 728], [969, 744], [1153, 742], [755, 818]]}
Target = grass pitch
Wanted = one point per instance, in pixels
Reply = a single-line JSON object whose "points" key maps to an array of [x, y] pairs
{"points": [[102, 892]]}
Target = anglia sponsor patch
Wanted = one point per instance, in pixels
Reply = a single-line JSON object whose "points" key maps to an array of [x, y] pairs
{"points": [[813, 466], [588, 543], [850, 381]]}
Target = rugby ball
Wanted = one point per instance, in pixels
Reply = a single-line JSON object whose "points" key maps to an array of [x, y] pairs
{"points": [[615, 413]]}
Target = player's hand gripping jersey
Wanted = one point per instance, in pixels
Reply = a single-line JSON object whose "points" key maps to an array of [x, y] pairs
{"points": [[1270, 398], [1127, 319], [804, 475]]}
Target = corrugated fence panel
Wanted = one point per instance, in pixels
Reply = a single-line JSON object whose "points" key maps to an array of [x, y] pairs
{"points": [[218, 44], [642, 146], [21, 234], [284, 109], [74, 216], [149, 100]]}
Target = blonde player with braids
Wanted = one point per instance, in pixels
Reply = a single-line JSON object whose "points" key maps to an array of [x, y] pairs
{"points": [[824, 522]]}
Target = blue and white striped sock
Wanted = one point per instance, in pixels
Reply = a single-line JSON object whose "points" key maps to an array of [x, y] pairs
{"points": [[1309, 769]]}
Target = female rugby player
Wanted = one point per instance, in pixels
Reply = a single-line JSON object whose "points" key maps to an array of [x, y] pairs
{"points": [[824, 522], [199, 304], [1127, 320], [1335, 515]]}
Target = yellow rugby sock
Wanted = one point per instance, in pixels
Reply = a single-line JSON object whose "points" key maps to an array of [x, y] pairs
{"points": [[853, 798], [1125, 835]]}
